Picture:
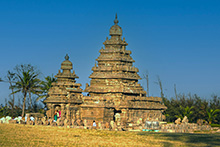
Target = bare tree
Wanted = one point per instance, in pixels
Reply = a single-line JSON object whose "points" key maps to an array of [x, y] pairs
{"points": [[146, 76], [175, 91], [161, 88]]}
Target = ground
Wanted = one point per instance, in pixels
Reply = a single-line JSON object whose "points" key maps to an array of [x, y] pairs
{"points": [[26, 135]]}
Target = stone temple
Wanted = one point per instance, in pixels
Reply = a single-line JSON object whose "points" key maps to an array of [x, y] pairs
{"points": [[114, 93]]}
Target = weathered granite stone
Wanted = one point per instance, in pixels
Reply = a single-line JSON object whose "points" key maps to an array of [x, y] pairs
{"points": [[114, 93], [113, 126], [73, 122], [12, 121], [36, 121], [139, 121], [59, 122], [85, 123], [79, 122], [200, 122], [178, 121], [43, 120], [107, 126], [22, 121], [185, 120], [184, 128]]}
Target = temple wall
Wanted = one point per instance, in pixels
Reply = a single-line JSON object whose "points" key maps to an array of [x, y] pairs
{"points": [[92, 113], [108, 114], [151, 115]]}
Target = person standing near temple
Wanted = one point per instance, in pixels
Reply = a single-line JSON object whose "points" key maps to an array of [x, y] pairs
{"points": [[59, 114], [94, 125], [55, 115]]}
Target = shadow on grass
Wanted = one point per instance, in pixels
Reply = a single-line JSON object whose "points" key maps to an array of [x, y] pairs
{"points": [[208, 139]]}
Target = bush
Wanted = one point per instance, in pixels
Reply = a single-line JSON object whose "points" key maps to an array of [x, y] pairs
{"points": [[215, 125]]}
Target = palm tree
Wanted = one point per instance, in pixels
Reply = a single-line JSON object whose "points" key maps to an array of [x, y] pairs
{"points": [[34, 88], [212, 114], [187, 111], [24, 84], [45, 86], [11, 79]]}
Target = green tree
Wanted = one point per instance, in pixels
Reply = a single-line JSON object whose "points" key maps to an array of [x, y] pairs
{"points": [[212, 114], [200, 106], [35, 88], [45, 86], [187, 111], [25, 82], [11, 79], [19, 69]]}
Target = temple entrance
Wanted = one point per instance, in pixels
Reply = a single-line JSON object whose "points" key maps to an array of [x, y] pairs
{"points": [[117, 115], [57, 107]]}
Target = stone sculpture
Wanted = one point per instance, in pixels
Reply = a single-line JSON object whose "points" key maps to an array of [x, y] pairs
{"points": [[178, 121]]}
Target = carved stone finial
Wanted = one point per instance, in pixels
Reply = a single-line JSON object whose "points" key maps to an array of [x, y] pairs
{"points": [[67, 57], [116, 20]]}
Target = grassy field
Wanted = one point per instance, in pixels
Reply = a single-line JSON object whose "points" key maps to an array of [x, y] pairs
{"points": [[26, 135]]}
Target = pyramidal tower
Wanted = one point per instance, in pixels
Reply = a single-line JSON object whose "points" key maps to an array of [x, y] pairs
{"points": [[65, 95], [114, 89]]}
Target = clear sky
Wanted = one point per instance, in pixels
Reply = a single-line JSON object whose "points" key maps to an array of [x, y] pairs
{"points": [[175, 39]]}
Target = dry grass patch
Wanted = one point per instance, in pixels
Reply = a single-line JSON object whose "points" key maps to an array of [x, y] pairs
{"points": [[26, 135]]}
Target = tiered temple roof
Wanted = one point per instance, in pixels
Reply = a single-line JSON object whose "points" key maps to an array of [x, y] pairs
{"points": [[115, 80], [65, 90]]}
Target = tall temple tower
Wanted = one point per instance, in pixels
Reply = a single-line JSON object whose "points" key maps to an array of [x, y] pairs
{"points": [[114, 85], [115, 77]]}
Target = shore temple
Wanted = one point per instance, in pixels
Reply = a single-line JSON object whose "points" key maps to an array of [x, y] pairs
{"points": [[114, 93]]}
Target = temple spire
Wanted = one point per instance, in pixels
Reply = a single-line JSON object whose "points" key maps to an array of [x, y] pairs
{"points": [[116, 20], [67, 57]]}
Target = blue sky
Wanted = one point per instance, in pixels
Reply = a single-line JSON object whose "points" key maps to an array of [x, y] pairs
{"points": [[177, 40]]}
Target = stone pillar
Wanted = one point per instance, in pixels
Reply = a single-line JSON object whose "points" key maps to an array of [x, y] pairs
{"points": [[74, 114], [77, 114], [62, 112], [28, 119], [52, 111], [49, 107], [68, 112], [123, 114]]}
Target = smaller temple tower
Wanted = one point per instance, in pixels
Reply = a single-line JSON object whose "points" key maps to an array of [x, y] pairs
{"points": [[65, 95]]}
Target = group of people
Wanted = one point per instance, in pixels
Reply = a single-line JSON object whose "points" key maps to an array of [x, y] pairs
{"points": [[57, 115]]}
